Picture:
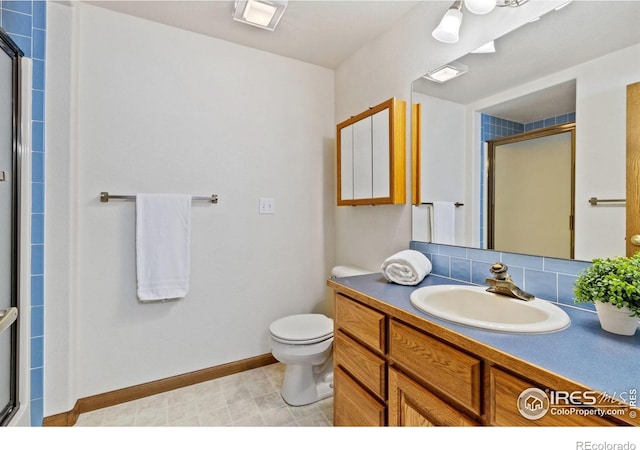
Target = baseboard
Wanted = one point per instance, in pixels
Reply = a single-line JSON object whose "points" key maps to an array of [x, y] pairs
{"points": [[131, 393]]}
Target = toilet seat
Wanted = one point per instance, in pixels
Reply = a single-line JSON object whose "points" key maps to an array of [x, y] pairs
{"points": [[302, 329]]}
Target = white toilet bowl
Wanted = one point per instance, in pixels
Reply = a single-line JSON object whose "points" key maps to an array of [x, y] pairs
{"points": [[304, 343]]}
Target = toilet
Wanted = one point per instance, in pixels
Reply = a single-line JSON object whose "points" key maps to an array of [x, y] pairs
{"points": [[304, 343]]}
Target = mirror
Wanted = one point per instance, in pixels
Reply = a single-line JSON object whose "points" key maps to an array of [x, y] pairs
{"points": [[572, 64]]}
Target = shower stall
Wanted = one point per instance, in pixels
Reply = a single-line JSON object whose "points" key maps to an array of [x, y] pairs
{"points": [[10, 184]]}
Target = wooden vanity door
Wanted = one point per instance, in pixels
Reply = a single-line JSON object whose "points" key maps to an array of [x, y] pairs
{"points": [[412, 405]]}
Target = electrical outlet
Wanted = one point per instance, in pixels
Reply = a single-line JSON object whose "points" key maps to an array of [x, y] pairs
{"points": [[267, 206]]}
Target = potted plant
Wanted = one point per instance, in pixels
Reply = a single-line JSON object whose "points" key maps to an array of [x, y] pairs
{"points": [[613, 286]]}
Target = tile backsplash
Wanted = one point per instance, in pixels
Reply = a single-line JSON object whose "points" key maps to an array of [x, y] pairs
{"points": [[548, 278]]}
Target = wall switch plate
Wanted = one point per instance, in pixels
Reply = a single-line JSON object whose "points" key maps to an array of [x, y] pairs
{"points": [[267, 206]]}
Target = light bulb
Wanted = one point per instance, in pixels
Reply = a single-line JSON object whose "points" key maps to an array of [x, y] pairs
{"points": [[448, 31], [480, 6]]}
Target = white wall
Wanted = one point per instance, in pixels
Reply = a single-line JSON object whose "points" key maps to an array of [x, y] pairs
{"points": [[157, 109]]}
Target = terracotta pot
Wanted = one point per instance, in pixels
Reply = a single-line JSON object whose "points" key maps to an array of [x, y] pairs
{"points": [[616, 320]]}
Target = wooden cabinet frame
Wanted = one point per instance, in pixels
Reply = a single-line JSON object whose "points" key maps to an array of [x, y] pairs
{"points": [[397, 151]]}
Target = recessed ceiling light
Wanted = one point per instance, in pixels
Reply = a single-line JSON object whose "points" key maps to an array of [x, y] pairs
{"points": [[265, 14], [446, 72]]}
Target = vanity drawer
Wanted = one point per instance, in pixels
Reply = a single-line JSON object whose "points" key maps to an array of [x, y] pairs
{"points": [[505, 390], [353, 406], [361, 322], [448, 370], [361, 363]]}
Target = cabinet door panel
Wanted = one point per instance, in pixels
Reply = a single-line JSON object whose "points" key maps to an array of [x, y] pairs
{"points": [[362, 161], [412, 405], [346, 162], [381, 154]]}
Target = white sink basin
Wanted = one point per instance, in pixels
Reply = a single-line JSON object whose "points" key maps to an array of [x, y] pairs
{"points": [[474, 306]]}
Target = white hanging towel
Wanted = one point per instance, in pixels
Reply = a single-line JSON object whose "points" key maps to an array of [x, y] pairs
{"points": [[408, 267], [443, 223], [163, 229]]}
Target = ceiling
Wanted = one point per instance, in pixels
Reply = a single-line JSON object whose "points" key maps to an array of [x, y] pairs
{"points": [[580, 32], [322, 32], [327, 32]]}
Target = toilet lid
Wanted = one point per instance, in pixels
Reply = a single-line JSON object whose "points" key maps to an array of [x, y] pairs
{"points": [[302, 328]]}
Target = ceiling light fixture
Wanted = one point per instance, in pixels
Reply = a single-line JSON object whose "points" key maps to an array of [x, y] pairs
{"points": [[480, 6], [265, 14], [446, 72], [448, 30]]}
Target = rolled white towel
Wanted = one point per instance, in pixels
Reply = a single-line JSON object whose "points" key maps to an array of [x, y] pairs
{"points": [[408, 267]]}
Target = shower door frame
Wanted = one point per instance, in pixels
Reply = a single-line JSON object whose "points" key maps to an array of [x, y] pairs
{"points": [[13, 51]]}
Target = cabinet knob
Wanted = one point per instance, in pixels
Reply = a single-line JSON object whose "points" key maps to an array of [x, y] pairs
{"points": [[635, 240]]}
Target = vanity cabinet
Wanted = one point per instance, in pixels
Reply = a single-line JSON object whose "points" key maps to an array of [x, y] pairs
{"points": [[371, 156], [395, 368]]}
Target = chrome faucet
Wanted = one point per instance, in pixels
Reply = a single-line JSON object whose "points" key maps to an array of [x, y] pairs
{"points": [[501, 283]]}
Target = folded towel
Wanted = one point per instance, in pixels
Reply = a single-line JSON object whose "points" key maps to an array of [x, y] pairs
{"points": [[162, 245], [408, 267], [443, 223]]}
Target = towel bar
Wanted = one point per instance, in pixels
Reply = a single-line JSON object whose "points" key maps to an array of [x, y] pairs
{"points": [[457, 204], [105, 197], [595, 200]]}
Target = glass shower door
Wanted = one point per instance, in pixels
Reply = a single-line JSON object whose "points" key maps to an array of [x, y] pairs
{"points": [[9, 114]]}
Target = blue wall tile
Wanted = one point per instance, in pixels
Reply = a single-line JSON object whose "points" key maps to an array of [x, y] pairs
{"points": [[37, 104], [514, 259], [19, 6], [36, 385], [571, 267], [548, 278], [16, 23], [541, 284], [461, 269], [37, 290], [37, 357], [23, 42], [37, 197], [39, 47], [37, 131], [40, 15], [440, 265], [38, 75], [37, 326], [37, 259], [37, 228], [37, 409], [37, 167]]}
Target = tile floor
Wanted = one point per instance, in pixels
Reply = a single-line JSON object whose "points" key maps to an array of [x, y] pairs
{"points": [[250, 399]]}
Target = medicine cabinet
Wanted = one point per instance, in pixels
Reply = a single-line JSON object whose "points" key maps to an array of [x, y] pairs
{"points": [[371, 156]]}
